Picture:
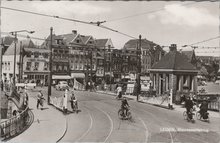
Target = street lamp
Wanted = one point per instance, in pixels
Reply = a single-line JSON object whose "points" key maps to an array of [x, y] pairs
{"points": [[110, 68], [15, 34]]}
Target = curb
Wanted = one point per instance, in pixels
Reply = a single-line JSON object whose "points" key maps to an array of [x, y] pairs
{"points": [[162, 106], [66, 125], [64, 132]]}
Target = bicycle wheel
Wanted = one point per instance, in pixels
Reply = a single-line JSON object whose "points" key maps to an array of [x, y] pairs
{"points": [[185, 115], [129, 115], [120, 113], [198, 115]]}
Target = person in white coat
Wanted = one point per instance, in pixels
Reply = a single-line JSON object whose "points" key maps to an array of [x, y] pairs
{"points": [[65, 97]]}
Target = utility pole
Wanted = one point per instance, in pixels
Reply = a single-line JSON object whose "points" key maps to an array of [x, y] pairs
{"points": [[138, 68], [20, 64], [1, 55], [50, 67], [104, 65], [14, 74], [91, 56], [110, 68], [87, 70]]}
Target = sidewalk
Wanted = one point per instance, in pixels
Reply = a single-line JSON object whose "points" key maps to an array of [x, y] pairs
{"points": [[49, 125], [154, 102]]}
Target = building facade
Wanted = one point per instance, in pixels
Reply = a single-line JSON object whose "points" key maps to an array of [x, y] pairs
{"points": [[151, 53], [104, 60], [15, 51], [173, 72], [36, 65]]}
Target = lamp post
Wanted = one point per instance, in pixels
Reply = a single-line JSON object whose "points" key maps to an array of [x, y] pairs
{"points": [[110, 68], [50, 67], [138, 68], [15, 34]]}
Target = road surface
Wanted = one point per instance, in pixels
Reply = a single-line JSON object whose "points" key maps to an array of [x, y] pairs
{"points": [[98, 122]]}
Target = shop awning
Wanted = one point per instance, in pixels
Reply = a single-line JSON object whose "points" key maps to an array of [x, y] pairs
{"points": [[77, 75], [61, 77]]}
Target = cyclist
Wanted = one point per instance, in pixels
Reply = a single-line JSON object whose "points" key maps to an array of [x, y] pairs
{"points": [[203, 109], [124, 106], [188, 106], [73, 100]]}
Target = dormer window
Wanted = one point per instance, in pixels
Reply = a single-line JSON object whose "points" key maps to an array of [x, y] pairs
{"points": [[58, 41], [77, 41]]}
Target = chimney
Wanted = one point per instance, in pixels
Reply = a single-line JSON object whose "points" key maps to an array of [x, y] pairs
{"points": [[173, 47], [74, 31]]}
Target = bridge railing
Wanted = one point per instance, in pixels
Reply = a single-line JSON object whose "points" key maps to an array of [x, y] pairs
{"points": [[213, 101], [15, 125]]}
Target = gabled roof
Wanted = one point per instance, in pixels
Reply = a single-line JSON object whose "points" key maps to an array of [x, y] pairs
{"points": [[27, 43], [188, 54], [85, 38], [174, 61], [7, 41], [101, 42], [68, 37]]}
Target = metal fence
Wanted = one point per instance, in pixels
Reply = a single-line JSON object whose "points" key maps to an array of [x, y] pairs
{"points": [[213, 101], [214, 105], [15, 125]]}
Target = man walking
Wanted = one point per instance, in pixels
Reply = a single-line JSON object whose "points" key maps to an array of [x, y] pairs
{"points": [[40, 97]]}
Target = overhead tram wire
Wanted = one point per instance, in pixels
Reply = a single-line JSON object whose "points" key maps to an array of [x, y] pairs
{"points": [[217, 37], [143, 13], [97, 24], [40, 14]]}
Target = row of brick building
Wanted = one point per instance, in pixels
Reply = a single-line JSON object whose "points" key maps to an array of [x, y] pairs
{"points": [[76, 56]]}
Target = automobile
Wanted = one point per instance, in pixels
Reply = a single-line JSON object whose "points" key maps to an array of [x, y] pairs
{"points": [[62, 85], [202, 83], [217, 82]]}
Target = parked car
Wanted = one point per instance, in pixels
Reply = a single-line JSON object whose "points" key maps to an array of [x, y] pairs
{"points": [[217, 82], [62, 85], [202, 83]]}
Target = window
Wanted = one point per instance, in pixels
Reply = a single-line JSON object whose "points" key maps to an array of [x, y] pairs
{"points": [[36, 66], [46, 65], [28, 54], [77, 41], [8, 65], [3, 66], [59, 68], [28, 66], [54, 68], [45, 55], [61, 51], [65, 68], [36, 54]]}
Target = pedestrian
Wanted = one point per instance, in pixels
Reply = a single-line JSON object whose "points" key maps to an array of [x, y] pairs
{"points": [[26, 99], [2, 85], [119, 91], [41, 83], [65, 97], [40, 98], [135, 91]]}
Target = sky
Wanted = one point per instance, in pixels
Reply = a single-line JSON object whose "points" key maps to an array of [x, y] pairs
{"points": [[164, 23]]}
